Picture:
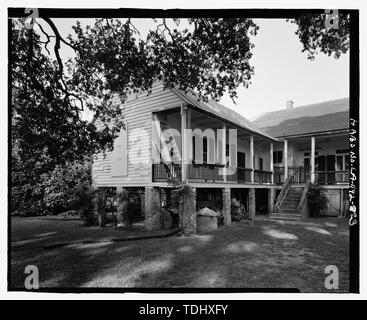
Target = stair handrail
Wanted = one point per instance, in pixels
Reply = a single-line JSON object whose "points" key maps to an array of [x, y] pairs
{"points": [[304, 195], [283, 192]]}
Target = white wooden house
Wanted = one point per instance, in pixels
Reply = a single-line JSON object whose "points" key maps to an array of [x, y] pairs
{"points": [[227, 157]]}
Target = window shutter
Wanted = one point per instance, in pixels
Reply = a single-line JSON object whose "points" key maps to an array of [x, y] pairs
{"points": [[119, 155], [232, 152]]}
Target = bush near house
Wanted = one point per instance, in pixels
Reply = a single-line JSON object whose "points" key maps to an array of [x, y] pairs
{"points": [[317, 201], [66, 187]]}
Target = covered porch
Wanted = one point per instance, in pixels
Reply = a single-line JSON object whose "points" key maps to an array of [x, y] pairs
{"points": [[322, 159], [201, 147]]}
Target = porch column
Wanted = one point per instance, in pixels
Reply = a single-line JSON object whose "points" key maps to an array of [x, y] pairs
{"points": [[285, 159], [183, 143], [271, 167], [227, 206], [312, 159], [187, 212], [153, 212], [252, 157], [252, 204], [120, 205], [224, 150], [271, 200]]}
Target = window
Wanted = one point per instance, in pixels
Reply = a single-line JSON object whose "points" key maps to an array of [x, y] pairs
{"points": [[261, 164], [193, 149], [278, 156], [241, 160], [307, 161], [342, 162], [205, 150]]}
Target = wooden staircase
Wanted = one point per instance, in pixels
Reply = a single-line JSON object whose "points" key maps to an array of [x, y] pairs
{"points": [[288, 209], [290, 202]]}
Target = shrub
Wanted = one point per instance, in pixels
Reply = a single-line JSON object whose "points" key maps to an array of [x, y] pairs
{"points": [[26, 190], [68, 187], [317, 202], [238, 211]]}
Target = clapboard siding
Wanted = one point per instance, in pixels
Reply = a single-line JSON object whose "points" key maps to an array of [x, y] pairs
{"points": [[138, 116]]}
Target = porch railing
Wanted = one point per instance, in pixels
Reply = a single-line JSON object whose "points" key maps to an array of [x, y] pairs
{"points": [[163, 171], [332, 177], [262, 176], [207, 173], [302, 174], [204, 172], [244, 174]]}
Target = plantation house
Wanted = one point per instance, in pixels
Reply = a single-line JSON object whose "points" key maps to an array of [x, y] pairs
{"points": [[266, 165]]}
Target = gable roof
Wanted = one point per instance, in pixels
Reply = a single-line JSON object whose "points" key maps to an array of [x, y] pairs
{"points": [[315, 118], [223, 113]]}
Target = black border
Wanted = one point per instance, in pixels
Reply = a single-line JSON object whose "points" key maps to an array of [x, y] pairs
{"points": [[354, 93], [184, 13]]}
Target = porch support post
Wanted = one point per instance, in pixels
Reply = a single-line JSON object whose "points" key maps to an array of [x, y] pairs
{"points": [[271, 167], [271, 200], [312, 159], [153, 212], [120, 205], [224, 150], [227, 206], [183, 143], [285, 159], [252, 204], [341, 204], [252, 157], [187, 212]]}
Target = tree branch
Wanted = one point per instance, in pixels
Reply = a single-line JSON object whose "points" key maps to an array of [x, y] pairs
{"points": [[58, 40]]}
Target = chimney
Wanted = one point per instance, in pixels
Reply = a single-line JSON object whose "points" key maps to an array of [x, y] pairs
{"points": [[289, 104]]}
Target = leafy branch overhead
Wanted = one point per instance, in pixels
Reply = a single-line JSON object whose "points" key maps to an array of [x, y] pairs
{"points": [[316, 36], [209, 56]]}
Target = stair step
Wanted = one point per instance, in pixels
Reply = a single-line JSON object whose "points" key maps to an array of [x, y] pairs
{"points": [[285, 216], [288, 210], [289, 206], [290, 201]]}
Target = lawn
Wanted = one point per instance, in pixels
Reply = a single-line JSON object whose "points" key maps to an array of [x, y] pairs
{"points": [[268, 254]]}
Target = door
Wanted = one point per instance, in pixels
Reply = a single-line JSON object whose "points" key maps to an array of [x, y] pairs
{"points": [[321, 177], [330, 167], [342, 166]]}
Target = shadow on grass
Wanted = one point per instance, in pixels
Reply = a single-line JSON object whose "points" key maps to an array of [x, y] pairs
{"points": [[262, 256]]}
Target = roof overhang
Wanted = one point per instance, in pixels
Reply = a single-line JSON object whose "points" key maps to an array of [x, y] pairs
{"points": [[316, 134], [194, 104]]}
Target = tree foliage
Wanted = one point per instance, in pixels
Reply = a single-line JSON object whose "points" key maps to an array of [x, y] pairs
{"points": [[316, 36], [47, 127]]}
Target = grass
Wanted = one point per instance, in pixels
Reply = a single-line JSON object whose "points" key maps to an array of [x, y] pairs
{"points": [[268, 254]]}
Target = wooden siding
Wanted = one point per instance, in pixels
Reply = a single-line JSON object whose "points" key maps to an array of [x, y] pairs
{"points": [[138, 116]]}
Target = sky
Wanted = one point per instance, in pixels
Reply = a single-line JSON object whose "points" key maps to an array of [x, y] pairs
{"points": [[282, 71]]}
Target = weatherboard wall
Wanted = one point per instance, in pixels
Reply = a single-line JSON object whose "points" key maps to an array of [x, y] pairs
{"points": [[137, 113]]}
